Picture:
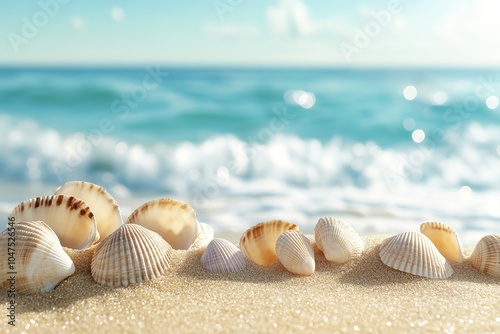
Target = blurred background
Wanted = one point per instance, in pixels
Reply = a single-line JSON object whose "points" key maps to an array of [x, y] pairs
{"points": [[382, 113]]}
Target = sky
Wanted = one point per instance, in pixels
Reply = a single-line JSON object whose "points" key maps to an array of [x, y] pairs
{"points": [[395, 33]]}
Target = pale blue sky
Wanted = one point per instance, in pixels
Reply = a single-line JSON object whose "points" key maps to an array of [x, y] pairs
{"points": [[251, 33]]}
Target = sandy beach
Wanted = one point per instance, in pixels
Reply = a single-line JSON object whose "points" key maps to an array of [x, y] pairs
{"points": [[361, 296]]}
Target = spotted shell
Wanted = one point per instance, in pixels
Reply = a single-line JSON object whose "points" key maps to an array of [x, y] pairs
{"points": [[258, 243], [106, 210], [486, 255], [37, 261], [69, 217], [132, 254], [222, 256], [445, 239], [295, 253], [414, 253], [337, 240], [173, 220]]}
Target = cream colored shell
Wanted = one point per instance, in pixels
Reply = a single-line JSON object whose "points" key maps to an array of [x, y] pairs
{"points": [[39, 261], [205, 235], [104, 207], [296, 253], [337, 240], [486, 255], [222, 256], [258, 243], [445, 239], [69, 217], [414, 253]]}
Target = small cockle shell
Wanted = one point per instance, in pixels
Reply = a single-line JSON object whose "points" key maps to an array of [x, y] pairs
{"points": [[222, 256], [445, 239], [131, 254], [295, 253], [486, 255], [258, 243], [39, 262], [173, 220], [414, 253], [106, 210], [337, 240], [205, 235], [69, 217]]}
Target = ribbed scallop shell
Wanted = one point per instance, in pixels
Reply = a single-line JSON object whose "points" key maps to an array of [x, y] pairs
{"points": [[414, 253], [205, 235], [337, 240], [258, 243], [173, 220], [222, 256], [131, 254], [486, 255], [445, 239], [39, 261], [106, 210], [296, 253], [69, 217]]}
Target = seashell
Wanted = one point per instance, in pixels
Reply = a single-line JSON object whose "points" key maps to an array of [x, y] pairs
{"points": [[445, 239], [221, 256], [486, 255], [105, 209], [69, 217], [173, 220], [205, 235], [258, 243], [40, 262], [337, 240], [131, 254], [295, 253], [414, 253]]}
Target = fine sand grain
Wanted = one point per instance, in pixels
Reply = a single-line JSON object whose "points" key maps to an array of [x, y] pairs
{"points": [[362, 296]]}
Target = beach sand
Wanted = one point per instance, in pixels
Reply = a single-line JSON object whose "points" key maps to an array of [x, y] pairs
{"points": [[361, 296]]}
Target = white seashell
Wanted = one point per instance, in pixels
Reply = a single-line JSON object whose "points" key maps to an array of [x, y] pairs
{"points": [[445, 239], [221, 256], [40, 262], [486, 255], [69, 217], [414, 253], [205, 235], [258, 243], [131, 254], [295, 253], [173, 220], [337, 240], [106, 210]]}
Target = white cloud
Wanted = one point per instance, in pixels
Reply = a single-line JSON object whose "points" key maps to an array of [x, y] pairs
{"points": [[230, 30], [117, 14]]}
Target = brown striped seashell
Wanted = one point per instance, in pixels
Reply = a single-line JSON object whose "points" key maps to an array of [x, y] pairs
{"points": [[221, 256], [296, 253], [205, 235], [69, 217], [106, 210], [486, 255], [414, 253], [445, 239], [337, 240], [132, 254], [39, 262], [173, 220], [258, 243]]}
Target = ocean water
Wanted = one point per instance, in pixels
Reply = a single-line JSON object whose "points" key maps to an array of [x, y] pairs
{"points": [[246, 145]]}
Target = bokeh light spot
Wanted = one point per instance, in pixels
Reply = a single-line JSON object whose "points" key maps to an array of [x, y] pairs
{"points": [[410, 93], [409, 124], [117, 14], [439, 98], [465, 192], [418, 136], [492, 102]]}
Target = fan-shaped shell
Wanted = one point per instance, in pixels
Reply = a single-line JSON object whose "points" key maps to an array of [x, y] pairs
{"points": [[69, 217], [337, 240], [205, 235], [445, 239], [414, 253], [38, 259], [295, 253], [486, 255], [106, 210], [222, 256], [173, 220], [258, 243], [131, 254]]}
